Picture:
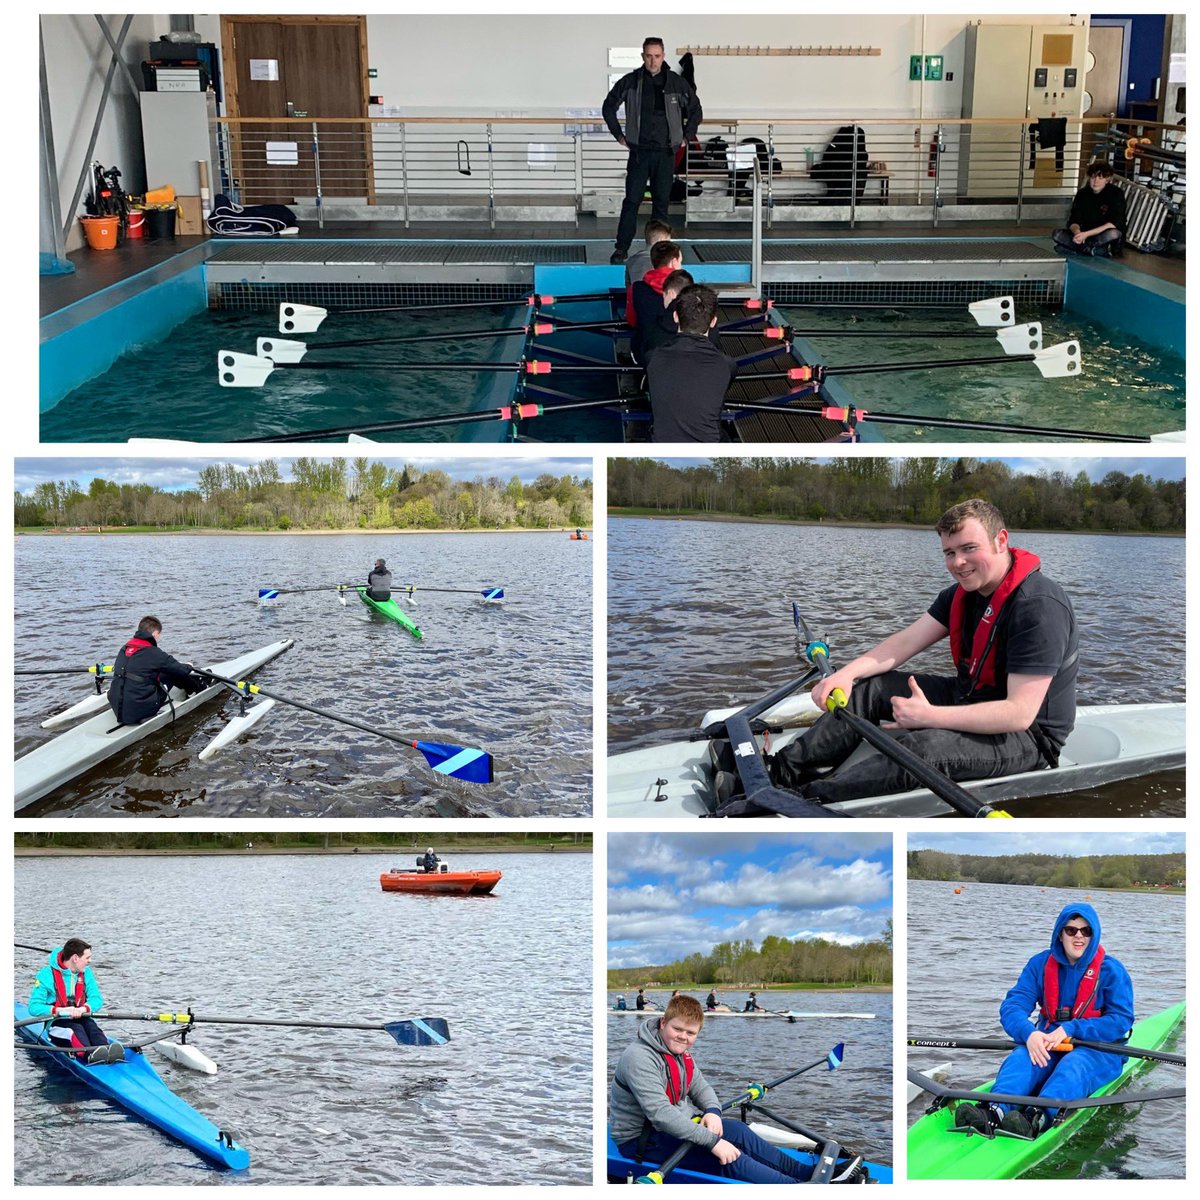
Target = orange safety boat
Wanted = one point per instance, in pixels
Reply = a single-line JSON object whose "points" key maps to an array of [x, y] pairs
{"points": [[579, 537], [455, 883]]}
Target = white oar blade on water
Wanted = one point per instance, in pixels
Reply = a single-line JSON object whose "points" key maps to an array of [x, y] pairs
{"points": [[999, 310], [1021, 339], [357, 439], [280, 350], [187, 1056], [242, 370], [237, 727], [1058, 362], [1174, 435], [85, 708], [300, 318]]}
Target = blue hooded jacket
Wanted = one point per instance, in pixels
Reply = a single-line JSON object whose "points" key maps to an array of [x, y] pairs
{"points": [[42, 997], [1113, 996]]}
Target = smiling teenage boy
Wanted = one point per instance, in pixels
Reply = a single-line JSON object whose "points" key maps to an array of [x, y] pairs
{"points": [[1009, 706]]}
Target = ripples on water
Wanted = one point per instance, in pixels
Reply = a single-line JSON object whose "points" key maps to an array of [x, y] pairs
{"points": [[700, 617], [508, 1101], [852, 1104], [514, 679], [1144, 931]]}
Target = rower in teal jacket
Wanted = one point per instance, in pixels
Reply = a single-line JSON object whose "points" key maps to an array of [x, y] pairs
{"points": [[66, 993], [1079, 990]]}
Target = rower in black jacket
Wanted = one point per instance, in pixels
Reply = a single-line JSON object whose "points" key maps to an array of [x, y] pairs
{"points": [[143, 676]]}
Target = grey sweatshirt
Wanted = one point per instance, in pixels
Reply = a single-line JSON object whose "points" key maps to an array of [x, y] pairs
{"points": [[639, 1093]]}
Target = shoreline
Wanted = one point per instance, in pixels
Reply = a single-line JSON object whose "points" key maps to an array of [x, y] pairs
{"points": [[251, 851], [733, 519], [390, 532]]}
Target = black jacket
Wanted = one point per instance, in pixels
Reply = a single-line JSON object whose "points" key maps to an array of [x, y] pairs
{"points": [[142, 677], [1090, 209], [683, 106], [688, 381]]}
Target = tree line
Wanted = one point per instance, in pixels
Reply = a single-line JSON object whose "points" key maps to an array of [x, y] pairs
{"points": [[901, 490], [339, 493], [215, 840], [1050, 870], [778, 960]]}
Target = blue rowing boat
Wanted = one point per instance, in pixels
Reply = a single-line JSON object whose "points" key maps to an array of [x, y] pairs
{"points": [[136, 1086]]}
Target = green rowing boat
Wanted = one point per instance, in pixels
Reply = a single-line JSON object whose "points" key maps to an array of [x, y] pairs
{"points": [[934, 1152], [391, 610]]}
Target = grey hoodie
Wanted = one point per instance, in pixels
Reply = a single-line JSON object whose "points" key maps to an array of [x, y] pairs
{"points": [[639, 1093]]}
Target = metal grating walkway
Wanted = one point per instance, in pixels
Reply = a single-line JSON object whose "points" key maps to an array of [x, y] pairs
{"points": [[924, 251], [342, 253]]}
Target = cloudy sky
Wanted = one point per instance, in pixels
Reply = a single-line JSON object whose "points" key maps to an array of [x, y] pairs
{"points": [[673, 895], [1069, 845], [177, 474], [1066, 459]]}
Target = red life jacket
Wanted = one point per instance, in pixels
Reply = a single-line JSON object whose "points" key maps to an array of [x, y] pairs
{"points": [[981, 665], [135, 644], [677, 1086], [60, 991], [654, 278], [1085, 998]]}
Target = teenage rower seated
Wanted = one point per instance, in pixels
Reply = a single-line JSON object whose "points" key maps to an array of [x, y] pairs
{"points": [[65, 992], [645, 294], [689, 377], [379, 581], [1096, 225], [656, 325], [143, 675], [639, 262]]}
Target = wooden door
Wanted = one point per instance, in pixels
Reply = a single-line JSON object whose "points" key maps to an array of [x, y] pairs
{"points": [[320, 72], [1106, 57]]}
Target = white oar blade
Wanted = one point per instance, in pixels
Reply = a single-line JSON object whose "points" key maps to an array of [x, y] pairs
{"points": [[280, 350], [1174, 435], [300, 318], [187, 1056], [358, 439], [1058, 362], [242, 370], [999, 310], [85, 708], [1021, 339], [237, 727]]}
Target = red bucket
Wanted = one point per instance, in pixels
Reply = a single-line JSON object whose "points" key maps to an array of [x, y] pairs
{"points": [[137, 223]]}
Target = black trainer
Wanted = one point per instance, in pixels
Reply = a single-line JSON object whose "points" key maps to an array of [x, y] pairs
{"points": [[617, 257], [975, 1118], [1023, 1123]]}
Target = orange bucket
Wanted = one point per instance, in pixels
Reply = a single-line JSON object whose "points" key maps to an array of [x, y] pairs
{"points": [[101, 232]]}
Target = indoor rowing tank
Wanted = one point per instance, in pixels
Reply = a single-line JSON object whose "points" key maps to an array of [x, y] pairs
{"points": [[159, 334]]}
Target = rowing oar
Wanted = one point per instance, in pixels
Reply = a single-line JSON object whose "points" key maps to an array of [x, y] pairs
{"points": [[955, 1043], [305, 318], [488, 593], [926, 775], [419, 1031], [997, 310], [944, 1093], [851, 417], [509, 412], [1055, 362], [252, 370], [283, 351], [753, 1092], [95, 669], [458, 762]]}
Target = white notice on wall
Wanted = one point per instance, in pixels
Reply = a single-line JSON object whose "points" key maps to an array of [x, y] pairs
{"points": [[625, 57], [282, 154], [1177, 71], [266, 69]]}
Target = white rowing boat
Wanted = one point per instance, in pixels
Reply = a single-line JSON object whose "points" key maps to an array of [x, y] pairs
{"points": [[1110, 742], [69, 755], [915, 1089]]}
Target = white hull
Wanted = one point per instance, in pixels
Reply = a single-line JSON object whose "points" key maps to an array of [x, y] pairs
{"points": [[67, 756], [1110, 742]]}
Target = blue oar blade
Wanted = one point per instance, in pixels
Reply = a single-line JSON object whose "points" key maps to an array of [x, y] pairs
{"points": [[492, 593], [834, 1060], [420, 1031], [459, 762]]}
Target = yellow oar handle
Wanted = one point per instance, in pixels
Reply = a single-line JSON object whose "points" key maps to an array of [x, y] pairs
{"points": [[835, 699], [250, 689], [996, 812]]}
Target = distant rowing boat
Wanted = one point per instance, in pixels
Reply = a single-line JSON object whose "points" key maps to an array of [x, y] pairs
{"points": [[1110, 742], [828, 1016], [69, 755]]}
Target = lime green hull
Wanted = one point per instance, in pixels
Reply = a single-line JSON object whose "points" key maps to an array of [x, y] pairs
{"points": [[391, 610], [936, 1153]]}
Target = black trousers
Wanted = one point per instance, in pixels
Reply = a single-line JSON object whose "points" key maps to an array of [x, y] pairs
{"points": [[653, 165], [959, 755]]}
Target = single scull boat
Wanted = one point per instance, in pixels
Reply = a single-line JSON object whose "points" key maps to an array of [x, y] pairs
{"points": [[69, 755], [934, 1152], [830, 1016], [391, 610], [1110, 742], [136, 1086]]}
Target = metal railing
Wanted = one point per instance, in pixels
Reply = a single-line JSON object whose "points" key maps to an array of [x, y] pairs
{"points": [[850, 169]]}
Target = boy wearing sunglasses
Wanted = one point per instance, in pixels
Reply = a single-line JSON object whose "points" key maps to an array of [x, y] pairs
{"points": [[1078, 991]]}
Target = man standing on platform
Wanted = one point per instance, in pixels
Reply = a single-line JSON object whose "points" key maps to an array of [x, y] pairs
{"points": [[662, 113]]}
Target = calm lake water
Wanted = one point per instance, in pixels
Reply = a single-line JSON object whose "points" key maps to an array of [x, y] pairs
{"points": [[700, 617], [1146, 932], [852, 1104], [513, 679], [507, 1101]]}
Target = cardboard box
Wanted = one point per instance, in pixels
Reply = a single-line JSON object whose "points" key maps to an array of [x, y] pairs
{"points": [[190, 221]]}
